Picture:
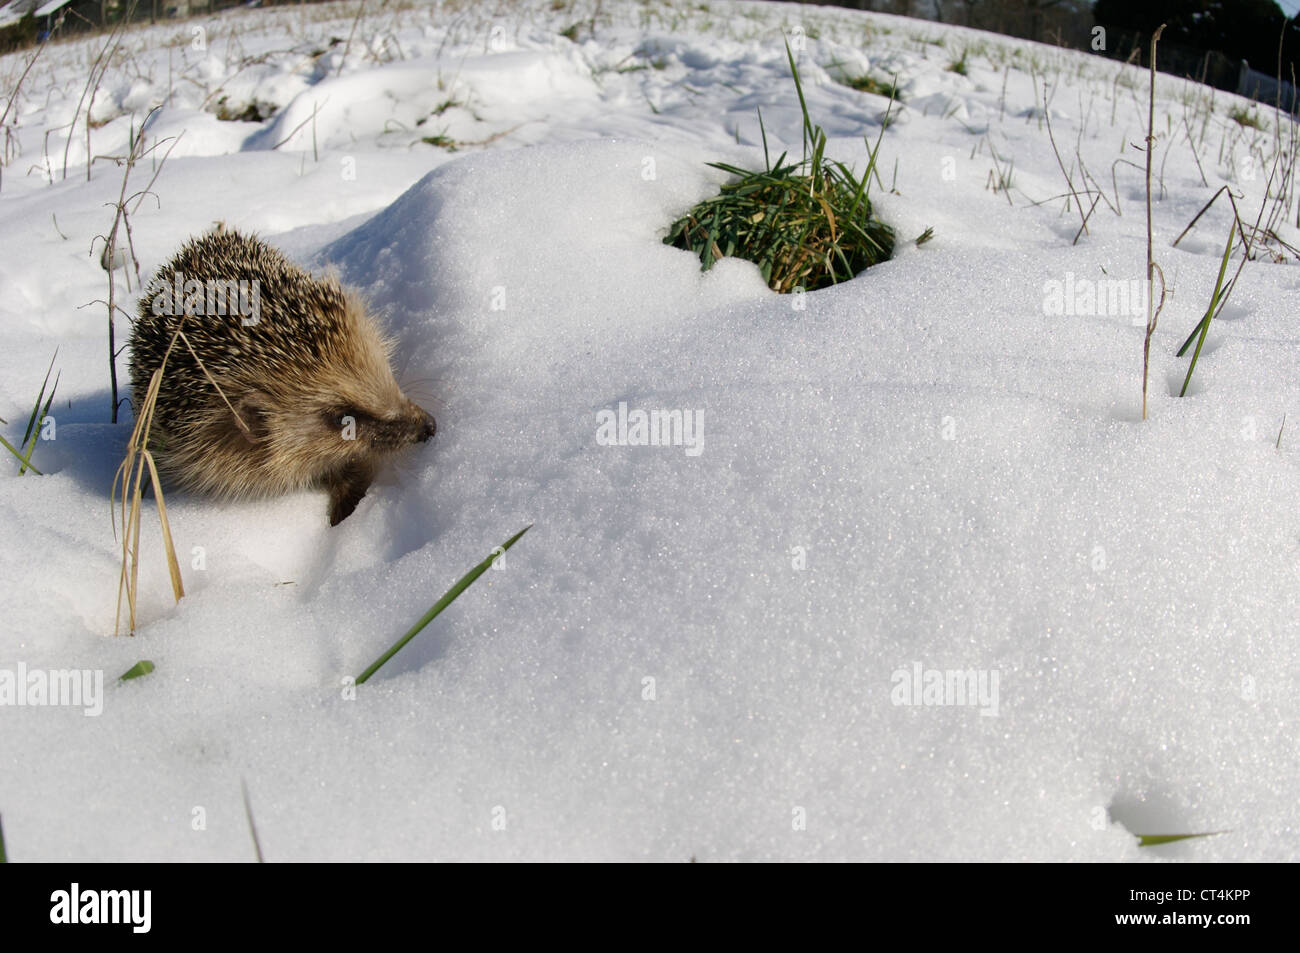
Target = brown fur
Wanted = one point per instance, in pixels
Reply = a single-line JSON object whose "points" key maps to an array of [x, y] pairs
{"points": [[311, 380]]}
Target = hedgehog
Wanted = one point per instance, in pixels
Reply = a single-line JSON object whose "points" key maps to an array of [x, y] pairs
{"points": [[279, 381]]}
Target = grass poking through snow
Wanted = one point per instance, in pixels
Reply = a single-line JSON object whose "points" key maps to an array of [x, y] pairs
{"points": [[1217, 301], [130, 476], [1155, 840], [252, 827], [877, 87], [1244, 117], [806, 224], [447, 599], [142, 667], [34, 423]]}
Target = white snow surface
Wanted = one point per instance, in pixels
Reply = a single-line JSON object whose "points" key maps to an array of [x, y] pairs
{"points": [[690, 654]]}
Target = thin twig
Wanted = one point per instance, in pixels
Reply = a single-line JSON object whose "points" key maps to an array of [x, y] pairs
{"points": [[1068, 181], [1152, 315], [252, 827], [348, 46]]}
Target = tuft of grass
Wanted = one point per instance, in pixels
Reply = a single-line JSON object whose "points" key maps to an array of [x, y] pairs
{"points": [[33, 431], [251, 112], [806, 224], [877, 87], [1001, 177], [958, 65], [443, 141], [1244, 117], [447, 599], [130, 474]]}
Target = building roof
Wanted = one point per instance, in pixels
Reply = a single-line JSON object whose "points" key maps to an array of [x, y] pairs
{"points": [[15, 10], [50, 6]]}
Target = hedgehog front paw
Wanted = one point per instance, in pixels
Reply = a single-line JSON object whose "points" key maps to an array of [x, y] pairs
{"points": [[347, 487]]}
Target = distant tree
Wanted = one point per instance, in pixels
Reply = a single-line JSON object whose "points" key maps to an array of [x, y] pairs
{"points": [[1238, 29], [1049, 21], [19, 34], [1042, 20]]}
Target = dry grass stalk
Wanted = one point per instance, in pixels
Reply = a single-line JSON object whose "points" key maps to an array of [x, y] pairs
{"points": [[131, 476]]}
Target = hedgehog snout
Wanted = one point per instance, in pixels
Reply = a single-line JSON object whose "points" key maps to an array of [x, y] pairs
{"points": [[413, 424], [428, 428]]}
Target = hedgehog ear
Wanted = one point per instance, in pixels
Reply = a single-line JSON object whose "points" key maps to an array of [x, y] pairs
{"points": [[249, 424]]}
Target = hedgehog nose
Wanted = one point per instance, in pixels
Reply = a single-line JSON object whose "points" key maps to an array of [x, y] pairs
{"points": [[428, 429]]}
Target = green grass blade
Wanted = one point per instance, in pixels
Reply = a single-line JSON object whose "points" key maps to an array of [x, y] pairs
{"points": [[448, 598], [31, 421], [709, 242], [17, 453], [730, 169], [1190, 338], [44, 412], [859, 190], [1209, 312], [29, 439], [143, 667], [767, 162], [1155, 840], [818, 170], [873, 153], [803, 105], [1223, 299]]}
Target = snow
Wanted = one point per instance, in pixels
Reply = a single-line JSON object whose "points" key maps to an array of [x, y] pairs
{"points": [[690, 654]]}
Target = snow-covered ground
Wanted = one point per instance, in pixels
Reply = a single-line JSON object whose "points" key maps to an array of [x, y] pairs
{"points": [[704, 650]]}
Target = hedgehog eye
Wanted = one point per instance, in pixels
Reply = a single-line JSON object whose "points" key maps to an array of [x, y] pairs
{"points": [[341, 416]]}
